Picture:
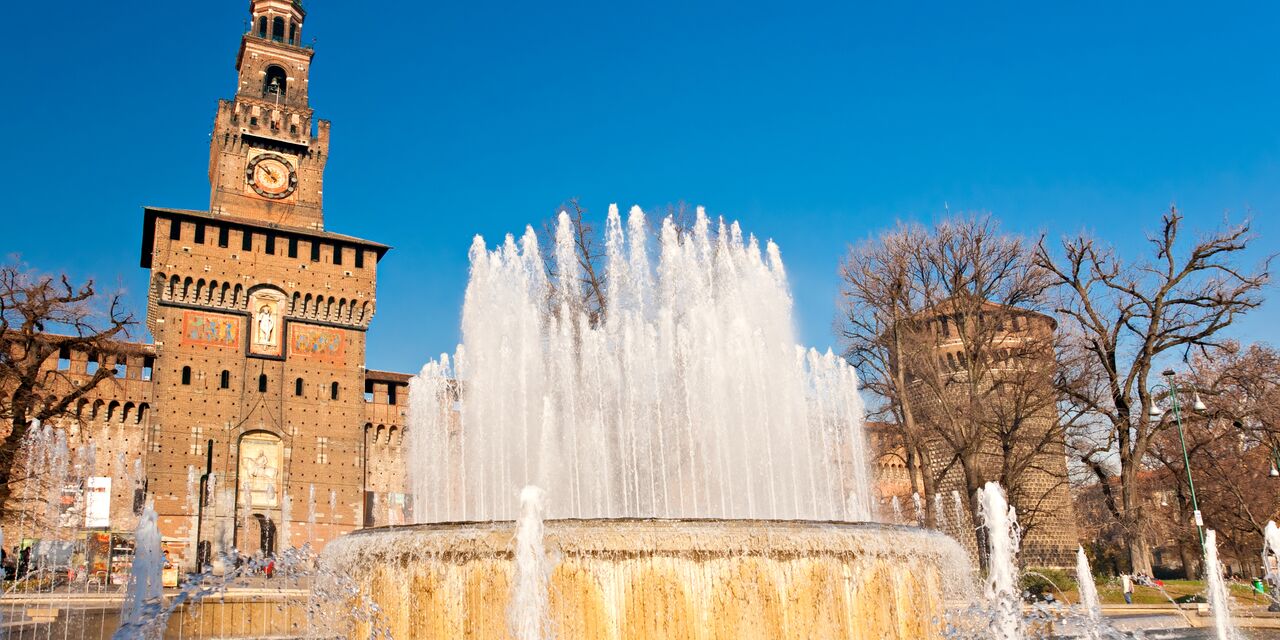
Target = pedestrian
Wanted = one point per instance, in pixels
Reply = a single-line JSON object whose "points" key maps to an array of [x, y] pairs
{"points": [[1126, 583]]}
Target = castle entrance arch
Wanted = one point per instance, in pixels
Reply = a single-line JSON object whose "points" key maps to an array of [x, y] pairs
{"points": [[261, 459]]}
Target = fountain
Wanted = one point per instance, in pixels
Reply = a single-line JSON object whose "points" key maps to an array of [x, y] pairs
{"points": [[704, 477]]}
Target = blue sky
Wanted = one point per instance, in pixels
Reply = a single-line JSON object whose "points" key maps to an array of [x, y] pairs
{"points": [[814, 124]]}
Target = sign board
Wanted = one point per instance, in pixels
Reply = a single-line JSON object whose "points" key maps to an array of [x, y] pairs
{"points": [[97, 502]]}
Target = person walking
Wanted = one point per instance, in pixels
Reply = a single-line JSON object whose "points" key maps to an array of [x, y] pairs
{"points": [[1126, 583]]}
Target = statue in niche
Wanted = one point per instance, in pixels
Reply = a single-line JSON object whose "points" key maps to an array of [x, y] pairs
{"points": [[266, 325]]}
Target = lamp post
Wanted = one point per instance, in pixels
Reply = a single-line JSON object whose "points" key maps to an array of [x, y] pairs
{"points": [[1171, 386]]}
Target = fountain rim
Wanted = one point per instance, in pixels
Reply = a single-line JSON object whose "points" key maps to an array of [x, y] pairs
{"points": [[557, 523]]}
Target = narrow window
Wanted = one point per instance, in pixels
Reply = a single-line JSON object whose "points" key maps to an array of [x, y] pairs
{"points": [[186, 375], [391, 394], [199, 233], [333, 391], [337, 254], [122, 367], [64, 359], [175, 230], [91, 367], [315, 251], [368, 391], [262, 383], [359, 258], [224, 236], [293, 247], [271, 243], [224, 382], [262, 27], [148, 363], [297, 387], [246, 240]]}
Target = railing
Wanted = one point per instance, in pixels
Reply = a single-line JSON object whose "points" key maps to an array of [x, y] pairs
{"points": [[293, 42]]}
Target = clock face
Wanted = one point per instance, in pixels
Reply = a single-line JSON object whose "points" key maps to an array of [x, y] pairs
{"points": [[272, 176]]}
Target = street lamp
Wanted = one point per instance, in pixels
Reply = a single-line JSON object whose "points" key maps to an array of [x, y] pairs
{"points": [[1156, 413]]}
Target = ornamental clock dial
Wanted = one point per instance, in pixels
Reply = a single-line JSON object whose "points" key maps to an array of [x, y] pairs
{"points": [[271, 176]]}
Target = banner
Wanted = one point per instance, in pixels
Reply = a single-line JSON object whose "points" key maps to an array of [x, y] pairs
{"points": [[97, 502]]}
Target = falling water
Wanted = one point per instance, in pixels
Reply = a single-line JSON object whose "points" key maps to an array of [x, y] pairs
{"points": [[1271, 554], [897, 510], [286, 516], [1218, 597], [1088, 594], [529, 611], [689, 398], [939, 513], [1001, 524], [144, 595], [957, 508], [919, 507]]}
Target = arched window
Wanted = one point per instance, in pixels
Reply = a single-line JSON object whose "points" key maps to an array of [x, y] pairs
{"points": [[262, 383], [275, 82], [297, 387], [186, 375], [225, 381], [293, 34], [277, 29], [262, 27], [333, 391]]}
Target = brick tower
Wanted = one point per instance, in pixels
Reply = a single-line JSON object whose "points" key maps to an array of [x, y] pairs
{"points": [[1018, 343], [259, 319]]}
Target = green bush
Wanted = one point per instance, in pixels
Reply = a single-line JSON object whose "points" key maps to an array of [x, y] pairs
{"points": [[1038, 581]]}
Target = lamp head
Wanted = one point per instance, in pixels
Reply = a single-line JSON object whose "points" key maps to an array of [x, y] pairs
{"points": [[1155, 412], [1199, 404]]}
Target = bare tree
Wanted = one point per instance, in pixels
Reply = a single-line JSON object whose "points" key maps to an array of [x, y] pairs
{"points": [[1125, 320], [881, 311], [40, 317], [588, 252], [1232, 448]]}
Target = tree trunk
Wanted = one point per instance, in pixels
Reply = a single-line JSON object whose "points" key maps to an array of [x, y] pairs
{"points": [[1190, 568], [972, 483], [10, 447], [1140, 554]]}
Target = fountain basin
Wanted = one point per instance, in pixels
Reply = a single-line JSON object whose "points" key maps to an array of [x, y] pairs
{"points": [[639, 579]]}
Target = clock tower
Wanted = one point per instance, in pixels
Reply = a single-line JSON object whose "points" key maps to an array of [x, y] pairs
{"points": [[267, 156], [267, 431]]}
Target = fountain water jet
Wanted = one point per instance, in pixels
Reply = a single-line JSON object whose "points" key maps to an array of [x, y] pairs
{"points": [[529, 612], [1219, 598], [1089, 600], [1001, 524]]}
